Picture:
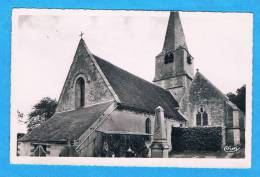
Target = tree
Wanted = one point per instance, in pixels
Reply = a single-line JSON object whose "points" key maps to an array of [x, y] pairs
{"points": [[20, 117], [41, 112], [239, 98]]}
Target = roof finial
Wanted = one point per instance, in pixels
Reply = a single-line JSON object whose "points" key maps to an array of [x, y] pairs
{"points": [[81, 34]]}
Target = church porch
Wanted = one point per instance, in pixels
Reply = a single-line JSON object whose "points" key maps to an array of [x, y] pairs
{"points": [[123, 144]]}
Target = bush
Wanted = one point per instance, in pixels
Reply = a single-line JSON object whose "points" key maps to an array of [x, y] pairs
{"points": [[197, 138]]}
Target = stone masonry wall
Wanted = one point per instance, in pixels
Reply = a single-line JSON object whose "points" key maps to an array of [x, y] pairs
{"points": [[203, 95], [179, 65], [96, 91], [229, 116], [174, 76]]}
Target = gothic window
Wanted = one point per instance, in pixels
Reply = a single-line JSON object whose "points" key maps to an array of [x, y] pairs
{"points": [[201, 118], [39, 150], [80, 93], [189, 59], [205, 118], [198, 119], [148, 128], [169, 57]]}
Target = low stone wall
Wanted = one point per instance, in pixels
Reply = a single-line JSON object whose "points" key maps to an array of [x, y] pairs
{"points": [[196, 138]]}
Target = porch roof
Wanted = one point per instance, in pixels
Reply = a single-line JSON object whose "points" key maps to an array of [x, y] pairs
{"points": [[65, 126]]}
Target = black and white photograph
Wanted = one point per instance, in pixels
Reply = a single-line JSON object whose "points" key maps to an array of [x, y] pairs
{"points": [[115, 87]]}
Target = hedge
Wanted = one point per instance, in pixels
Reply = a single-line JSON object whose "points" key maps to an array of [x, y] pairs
{"points": [[196, 138]]}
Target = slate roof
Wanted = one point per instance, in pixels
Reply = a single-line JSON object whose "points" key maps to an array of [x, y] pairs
{"points": [[66, 125], [136, 93]]}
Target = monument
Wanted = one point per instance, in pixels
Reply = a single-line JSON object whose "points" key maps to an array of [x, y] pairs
{"points": [[159, 146]]}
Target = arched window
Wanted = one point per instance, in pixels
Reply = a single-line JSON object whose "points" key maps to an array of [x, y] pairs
{"points": [[205, 118], [198, 119], [80, 93], [201, 117], [148, 128]]}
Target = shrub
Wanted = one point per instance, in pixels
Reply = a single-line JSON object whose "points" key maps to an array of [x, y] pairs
{"points": [[197, 138]]}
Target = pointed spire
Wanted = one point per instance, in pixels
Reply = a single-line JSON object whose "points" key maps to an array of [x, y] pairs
{"points": [[174, 35]]}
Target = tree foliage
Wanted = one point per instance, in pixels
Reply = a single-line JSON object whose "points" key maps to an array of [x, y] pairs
{"points": [[20, 117], [239, 98], [41, 112]]}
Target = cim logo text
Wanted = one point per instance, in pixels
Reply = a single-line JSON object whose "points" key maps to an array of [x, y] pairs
{"points": [[231, 149]]}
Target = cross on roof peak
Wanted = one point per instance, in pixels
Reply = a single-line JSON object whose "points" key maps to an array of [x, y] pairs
{"points": [[81, 34]]}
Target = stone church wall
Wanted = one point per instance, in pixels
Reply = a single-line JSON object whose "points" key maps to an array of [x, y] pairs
{"points": [[214, 108], [96, 91], [174, 76], [229, 116], [242, 129], [203, 95]]}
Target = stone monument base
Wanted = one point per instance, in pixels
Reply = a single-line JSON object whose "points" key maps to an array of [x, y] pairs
{"points": [[159, 149]]}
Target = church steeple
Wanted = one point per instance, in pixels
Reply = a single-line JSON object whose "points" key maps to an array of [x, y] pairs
{"points": [[174, 68], [174, 37]]}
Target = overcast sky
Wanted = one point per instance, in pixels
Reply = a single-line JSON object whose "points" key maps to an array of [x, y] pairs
{"points": [[44, 43]]}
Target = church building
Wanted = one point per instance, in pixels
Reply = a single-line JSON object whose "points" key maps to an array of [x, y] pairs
{"points": [[105, 111]]}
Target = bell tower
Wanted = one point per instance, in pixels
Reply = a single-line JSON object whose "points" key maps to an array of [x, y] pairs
{"points": [[174, 66]]}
